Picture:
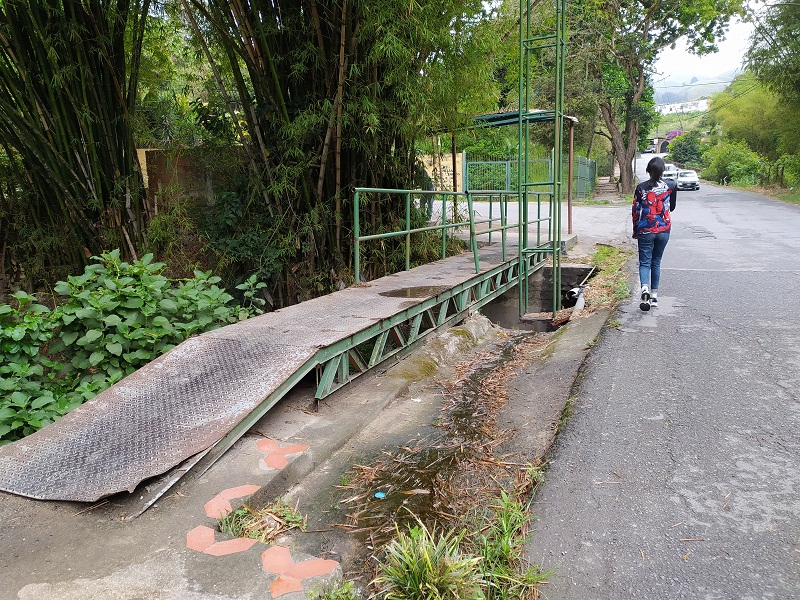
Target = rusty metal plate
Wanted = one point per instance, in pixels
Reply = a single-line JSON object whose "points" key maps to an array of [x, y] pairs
{"points": [[171, 409]]}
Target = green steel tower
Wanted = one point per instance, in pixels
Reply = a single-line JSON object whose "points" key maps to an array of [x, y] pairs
{"points": [[531, 48]]}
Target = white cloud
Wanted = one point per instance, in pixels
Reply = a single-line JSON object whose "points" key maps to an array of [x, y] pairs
{"points": [[680, 64]]}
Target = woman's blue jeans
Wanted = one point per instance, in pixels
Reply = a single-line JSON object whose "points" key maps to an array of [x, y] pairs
{"points": [[651, 249]]}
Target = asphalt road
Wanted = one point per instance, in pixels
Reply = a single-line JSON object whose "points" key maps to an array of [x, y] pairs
{"points": [[679, 474]]}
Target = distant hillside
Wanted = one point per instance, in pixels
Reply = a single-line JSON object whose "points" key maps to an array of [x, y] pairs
{"points": [[683, 88]]}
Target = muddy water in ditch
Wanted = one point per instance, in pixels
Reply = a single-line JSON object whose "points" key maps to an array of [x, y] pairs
{"points": [[416, 481]]}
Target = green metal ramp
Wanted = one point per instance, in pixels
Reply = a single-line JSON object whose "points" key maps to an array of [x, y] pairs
{"points": [[185, 409]]}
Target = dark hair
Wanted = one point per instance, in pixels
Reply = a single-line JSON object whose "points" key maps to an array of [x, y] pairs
{"points": [[656, 168]]}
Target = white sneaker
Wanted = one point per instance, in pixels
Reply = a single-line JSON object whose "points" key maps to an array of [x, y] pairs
{"points": [[645, 303]]}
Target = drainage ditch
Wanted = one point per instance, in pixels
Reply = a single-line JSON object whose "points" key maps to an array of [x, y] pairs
{"points": [[504, 311]]}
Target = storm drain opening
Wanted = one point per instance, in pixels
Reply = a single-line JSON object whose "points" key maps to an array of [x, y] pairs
{"points": [[504, 310]]}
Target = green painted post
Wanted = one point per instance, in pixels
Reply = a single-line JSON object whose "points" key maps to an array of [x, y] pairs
{"points": [[408, 231], [472, 237], [444, 225], [491, 217], [504, 221], [356, 242]]}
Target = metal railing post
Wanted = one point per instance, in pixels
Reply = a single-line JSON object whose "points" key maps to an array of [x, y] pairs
{"points": [[503, 222], [408, 231], [444, 225], [473, 239], [356, 236], [491, 217]]}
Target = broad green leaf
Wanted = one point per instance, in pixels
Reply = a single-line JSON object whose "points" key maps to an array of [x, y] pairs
{"points": [[134, 302], [86, 313], [91, 336], [36, 370], [7, 413], [167, 304], [41, 401], [114, 348], [112, 320], [161, 321], [19, 399], [96, 358], [69, 337]]}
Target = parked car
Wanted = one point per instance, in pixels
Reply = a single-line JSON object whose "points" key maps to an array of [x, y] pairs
{"points": [[650, 149], [688, 180], [670, 172]]}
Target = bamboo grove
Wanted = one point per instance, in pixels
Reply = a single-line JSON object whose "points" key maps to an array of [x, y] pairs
{"points": [[68, 77], [320, 97]]}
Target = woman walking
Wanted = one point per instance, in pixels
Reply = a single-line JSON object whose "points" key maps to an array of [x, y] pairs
{"points": [[653, 201]]}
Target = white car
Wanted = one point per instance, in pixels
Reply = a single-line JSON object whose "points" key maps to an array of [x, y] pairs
{"points": [[670, 172], [688, 180]]}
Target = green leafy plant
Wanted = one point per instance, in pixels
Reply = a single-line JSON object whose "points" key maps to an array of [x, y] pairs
{"points": [[24, 332], [423, 564], [732, 163], [118, 316], [113, 318]]}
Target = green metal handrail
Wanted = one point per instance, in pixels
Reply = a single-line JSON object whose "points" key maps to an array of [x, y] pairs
{"points": [[501, 196]]}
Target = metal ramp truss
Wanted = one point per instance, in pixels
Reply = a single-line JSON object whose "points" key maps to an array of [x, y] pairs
{"points": [[343, 362]]}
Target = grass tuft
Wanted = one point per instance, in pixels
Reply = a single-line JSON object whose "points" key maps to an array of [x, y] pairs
{"points": [[420, 563], [610, 285], [500, 542]]}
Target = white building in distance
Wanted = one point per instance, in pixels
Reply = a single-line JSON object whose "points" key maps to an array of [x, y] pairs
{"points": [[682, 107]]}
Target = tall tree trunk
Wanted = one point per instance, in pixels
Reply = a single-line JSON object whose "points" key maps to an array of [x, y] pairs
{"points": [[624, 147]]}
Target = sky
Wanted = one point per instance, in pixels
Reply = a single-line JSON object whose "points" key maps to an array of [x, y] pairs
{"points": [[680, 64]]}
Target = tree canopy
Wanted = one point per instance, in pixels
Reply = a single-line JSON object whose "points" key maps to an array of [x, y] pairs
{"points": [[626, 37], [774, 53]]}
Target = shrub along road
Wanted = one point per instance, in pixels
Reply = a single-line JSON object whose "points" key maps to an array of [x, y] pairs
{"points": [[678, 476]]}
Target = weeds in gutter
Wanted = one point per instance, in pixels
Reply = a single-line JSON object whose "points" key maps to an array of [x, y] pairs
{"points": [[456, 479], [500, 542], [424, 563], [263, 524], [610, 284], [567, 413]]}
